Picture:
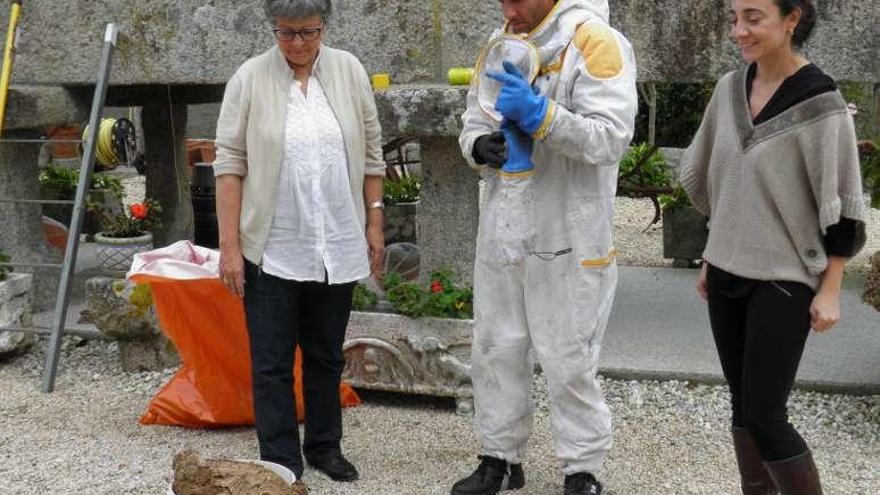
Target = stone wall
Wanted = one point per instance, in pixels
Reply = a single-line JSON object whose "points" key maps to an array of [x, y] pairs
{"points": [[202, 42]]}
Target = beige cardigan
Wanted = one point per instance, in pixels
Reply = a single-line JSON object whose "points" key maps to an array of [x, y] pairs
{"points": [[250, 133]]}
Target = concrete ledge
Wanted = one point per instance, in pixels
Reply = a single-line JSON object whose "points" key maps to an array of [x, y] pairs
{"points": [[421, 110], [203, 42], [37, 107]]}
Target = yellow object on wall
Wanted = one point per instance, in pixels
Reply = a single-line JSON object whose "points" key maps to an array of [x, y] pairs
{"points": [[381, 81], [460, 76]]}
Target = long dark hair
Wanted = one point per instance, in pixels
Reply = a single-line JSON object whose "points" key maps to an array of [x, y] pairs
{"points": [[808, 18]]}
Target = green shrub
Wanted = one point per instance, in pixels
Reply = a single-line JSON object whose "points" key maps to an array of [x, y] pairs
{"points": [[63, 181], [4, 269], [405, 190], [671, 202], [653, 172], [441, 300], [363, 298], [680, 108]]}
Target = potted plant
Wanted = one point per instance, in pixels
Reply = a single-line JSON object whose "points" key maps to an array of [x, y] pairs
{"points": [[61, 182], [421, 347], [685, 229], [401, 199], [125, 233]]}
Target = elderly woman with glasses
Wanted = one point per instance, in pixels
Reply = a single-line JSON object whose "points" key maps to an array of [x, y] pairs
{"points": [[299, 174]]}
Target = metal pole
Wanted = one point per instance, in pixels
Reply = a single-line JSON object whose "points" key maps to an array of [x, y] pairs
{"points": [[85, 177], [8, 58]]}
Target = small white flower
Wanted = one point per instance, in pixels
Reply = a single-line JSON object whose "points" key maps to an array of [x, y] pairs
{"points": [[852, 108]]}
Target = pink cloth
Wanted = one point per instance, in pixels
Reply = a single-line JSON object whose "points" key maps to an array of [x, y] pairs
{"points": [[182, 260]]}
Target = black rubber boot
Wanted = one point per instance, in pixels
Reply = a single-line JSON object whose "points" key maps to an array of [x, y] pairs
{"points": [[492, 476], [582, 484]]}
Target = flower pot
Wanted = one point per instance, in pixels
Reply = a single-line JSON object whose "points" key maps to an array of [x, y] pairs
{"points": [[400, 222], [685, 233], [200, 151], [115, 254]]}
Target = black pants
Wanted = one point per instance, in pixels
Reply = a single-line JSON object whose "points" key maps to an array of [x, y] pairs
{"points": [[760, 330], [281, 314]]}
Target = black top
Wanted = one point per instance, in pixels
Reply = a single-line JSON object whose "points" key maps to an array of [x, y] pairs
{"points": [[841, 238]]}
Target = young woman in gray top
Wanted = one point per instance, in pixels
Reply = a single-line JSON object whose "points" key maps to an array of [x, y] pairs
{"points": [[775, 167]]}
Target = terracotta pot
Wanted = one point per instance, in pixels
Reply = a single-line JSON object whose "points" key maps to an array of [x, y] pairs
{"points": [[200, 151]]}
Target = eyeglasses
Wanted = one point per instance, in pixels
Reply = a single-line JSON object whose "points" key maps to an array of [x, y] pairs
{"points": [[310, 34]]}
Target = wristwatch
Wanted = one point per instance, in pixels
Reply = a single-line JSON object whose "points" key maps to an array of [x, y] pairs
{"points": [[377, 205]]}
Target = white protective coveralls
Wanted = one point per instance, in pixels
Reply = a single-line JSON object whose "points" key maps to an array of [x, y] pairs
{"points": [[558, 300]]}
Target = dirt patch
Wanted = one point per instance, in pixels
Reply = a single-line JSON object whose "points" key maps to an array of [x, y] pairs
{"points": [[193, 476]]}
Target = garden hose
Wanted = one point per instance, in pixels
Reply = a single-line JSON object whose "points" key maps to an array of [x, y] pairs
{"points": [[116, 139]]}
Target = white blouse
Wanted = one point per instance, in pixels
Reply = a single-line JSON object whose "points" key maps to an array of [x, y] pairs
{"points": [[315, 226]]}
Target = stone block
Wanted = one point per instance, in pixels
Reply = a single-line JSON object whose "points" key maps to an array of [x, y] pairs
{"points": [[429, 356], [448, 212], [16, 309], [421, 110], [23, 238], [125, 311], [202, 42], [38, 107]]}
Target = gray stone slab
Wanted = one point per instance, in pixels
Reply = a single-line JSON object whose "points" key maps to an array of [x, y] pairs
{"points": [[421, 110], [659, 328], [191, 42], [448, 212], [21, 226], [37, 107]]}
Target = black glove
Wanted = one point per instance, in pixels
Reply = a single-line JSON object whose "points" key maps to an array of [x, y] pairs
{"points": [[490, 149]]}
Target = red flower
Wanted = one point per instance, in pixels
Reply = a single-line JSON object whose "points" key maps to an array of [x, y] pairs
{"points": [[436, 286], [139, 211]]}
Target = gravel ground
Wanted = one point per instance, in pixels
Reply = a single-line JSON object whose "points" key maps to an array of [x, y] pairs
{"points": [[670, 437]]}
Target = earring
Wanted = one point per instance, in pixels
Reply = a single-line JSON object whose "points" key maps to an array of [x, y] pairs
{"points": [[791, 32]]}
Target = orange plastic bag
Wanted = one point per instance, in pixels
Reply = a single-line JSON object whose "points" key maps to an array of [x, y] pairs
{"points": [[212, 388]]}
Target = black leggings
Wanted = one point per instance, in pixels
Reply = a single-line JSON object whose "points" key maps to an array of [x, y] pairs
{"points": [[760, 330]]}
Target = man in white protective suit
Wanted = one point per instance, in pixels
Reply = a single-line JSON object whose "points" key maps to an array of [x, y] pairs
{"points": [[575, 121]]}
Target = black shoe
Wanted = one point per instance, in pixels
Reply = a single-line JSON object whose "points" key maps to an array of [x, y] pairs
{"points": [[492, 476], [335, 466], [582, 484]]}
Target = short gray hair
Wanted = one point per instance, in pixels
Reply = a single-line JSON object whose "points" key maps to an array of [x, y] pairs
{"points": [[298, 9]]}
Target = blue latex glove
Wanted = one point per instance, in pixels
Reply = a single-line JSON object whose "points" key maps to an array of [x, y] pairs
{"points": [[519, 149], [518, 101]]}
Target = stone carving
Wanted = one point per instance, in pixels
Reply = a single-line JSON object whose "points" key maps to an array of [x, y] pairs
{"points": [[429, 356], [16, 309], [125, 311]]}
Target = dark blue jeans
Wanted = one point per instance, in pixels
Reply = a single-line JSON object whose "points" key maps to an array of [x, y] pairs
{"points": [[281, 314]]}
